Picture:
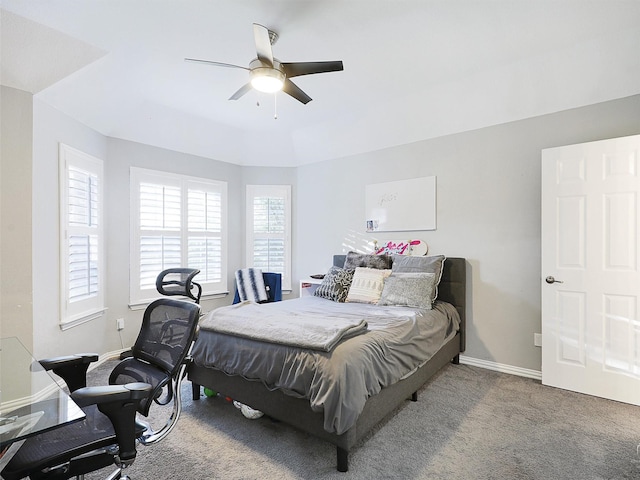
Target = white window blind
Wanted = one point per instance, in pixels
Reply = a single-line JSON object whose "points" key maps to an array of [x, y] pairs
{"points": [[159, 227], [205, 224], [269, 229], [81, 266], [177, 221]]}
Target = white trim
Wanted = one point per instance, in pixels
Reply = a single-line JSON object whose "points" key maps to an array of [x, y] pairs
{"points": [[84, 318], [143, 304], [81, 311], [502, 368]]}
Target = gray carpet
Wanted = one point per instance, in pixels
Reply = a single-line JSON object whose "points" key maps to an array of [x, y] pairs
{"points": [[468, 423]]}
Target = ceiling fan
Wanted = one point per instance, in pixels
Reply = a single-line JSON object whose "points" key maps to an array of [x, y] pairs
{"points": [[268, 74]]}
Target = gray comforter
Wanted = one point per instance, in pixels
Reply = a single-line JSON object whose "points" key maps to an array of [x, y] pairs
{"points": [[338, 382]]}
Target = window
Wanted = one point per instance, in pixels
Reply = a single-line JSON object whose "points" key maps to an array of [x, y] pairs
{"points": [[81, 242], [269, 230], [177, 221]]}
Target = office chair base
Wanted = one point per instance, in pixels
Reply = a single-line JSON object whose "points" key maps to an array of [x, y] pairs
{"points": [[117, 475], [149, 437]]}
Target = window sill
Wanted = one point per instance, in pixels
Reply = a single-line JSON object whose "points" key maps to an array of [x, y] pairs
{"points": [[142, 304], [74, 322]]}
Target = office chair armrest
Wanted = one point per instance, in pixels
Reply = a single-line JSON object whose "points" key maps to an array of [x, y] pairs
{"points": [[120, 404], [71, 368], [130, 392]]}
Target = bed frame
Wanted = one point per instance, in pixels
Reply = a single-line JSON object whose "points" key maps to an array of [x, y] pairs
{"points": [[297, 411]]}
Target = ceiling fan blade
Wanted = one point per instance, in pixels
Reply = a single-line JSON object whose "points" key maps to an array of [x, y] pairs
{"points": [[244, 89], [216, 64], [295, 69], [292, 89], [263, 43]]}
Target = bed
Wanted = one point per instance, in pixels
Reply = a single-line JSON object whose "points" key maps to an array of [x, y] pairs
{"points": [[291, 406]]}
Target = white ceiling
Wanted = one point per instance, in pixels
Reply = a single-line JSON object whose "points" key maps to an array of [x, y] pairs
{"points": [[413, 69]]}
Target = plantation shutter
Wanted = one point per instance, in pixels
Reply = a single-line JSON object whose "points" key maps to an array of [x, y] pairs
{"points": [[268, 242], [160, 213], [205, 233], [268, 233], [82, 296], [177, 221], [82, 256]]}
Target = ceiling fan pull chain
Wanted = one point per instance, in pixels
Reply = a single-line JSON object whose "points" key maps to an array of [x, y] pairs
{"points": [[275, 106]]}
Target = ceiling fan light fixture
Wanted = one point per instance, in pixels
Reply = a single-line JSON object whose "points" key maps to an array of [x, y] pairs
{"points": [[267, 80], [268, 74]]}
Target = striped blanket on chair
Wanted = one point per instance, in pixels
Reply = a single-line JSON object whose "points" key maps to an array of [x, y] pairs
{"points": [[250, 285]]}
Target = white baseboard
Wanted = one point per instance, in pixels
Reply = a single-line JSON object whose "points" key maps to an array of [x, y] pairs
{"points": [[502, 368], [115, 354]]}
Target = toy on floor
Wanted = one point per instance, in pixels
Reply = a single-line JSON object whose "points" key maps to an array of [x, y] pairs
{"points": [[247, 411], [210, 393]]}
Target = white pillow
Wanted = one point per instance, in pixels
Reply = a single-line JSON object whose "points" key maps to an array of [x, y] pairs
{"points": [[367, 285]]}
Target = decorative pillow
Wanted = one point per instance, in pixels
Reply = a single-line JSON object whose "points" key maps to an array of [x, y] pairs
{"points": [[367, 284], [409, 264], [354, 259], [408, 289], [335, 284]]}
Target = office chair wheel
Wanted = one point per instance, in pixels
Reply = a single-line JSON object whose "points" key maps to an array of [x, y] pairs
{"points": [[116, 476]]}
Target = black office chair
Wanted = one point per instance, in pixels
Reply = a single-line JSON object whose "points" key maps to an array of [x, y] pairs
{"points": [[176, 281], [179, 281], [110, 431]]}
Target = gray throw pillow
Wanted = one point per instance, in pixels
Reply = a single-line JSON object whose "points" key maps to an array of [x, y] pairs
{"points": [[354, 260], [335, 284], [410, 264], [408, 289]]}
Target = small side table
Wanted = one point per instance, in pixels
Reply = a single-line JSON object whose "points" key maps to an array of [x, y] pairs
{"points": [[308, 286]]}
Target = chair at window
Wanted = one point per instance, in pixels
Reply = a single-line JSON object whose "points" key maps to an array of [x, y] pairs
{"points": [[255, 285], [179, 281], [110, 431], [176, 281]]}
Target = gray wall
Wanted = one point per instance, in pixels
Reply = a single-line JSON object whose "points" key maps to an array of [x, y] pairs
{"points": [[100, 335], [16, 119], [121, 156], [488, 210], [51, 127]]}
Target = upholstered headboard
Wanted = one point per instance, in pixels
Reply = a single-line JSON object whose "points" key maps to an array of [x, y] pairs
{"points": [[452, 288]]}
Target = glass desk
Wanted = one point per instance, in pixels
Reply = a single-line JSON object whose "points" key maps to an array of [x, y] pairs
{"points": [[31, 402]]}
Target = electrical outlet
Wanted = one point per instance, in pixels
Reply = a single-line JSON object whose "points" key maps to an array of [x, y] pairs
{"points": [[120, 324], [537, 339]]}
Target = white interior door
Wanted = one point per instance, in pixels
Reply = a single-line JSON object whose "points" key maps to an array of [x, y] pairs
{"points": [[590, 275]]}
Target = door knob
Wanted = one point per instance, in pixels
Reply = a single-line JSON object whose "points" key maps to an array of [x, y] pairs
{"points": [[550, 279]]}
